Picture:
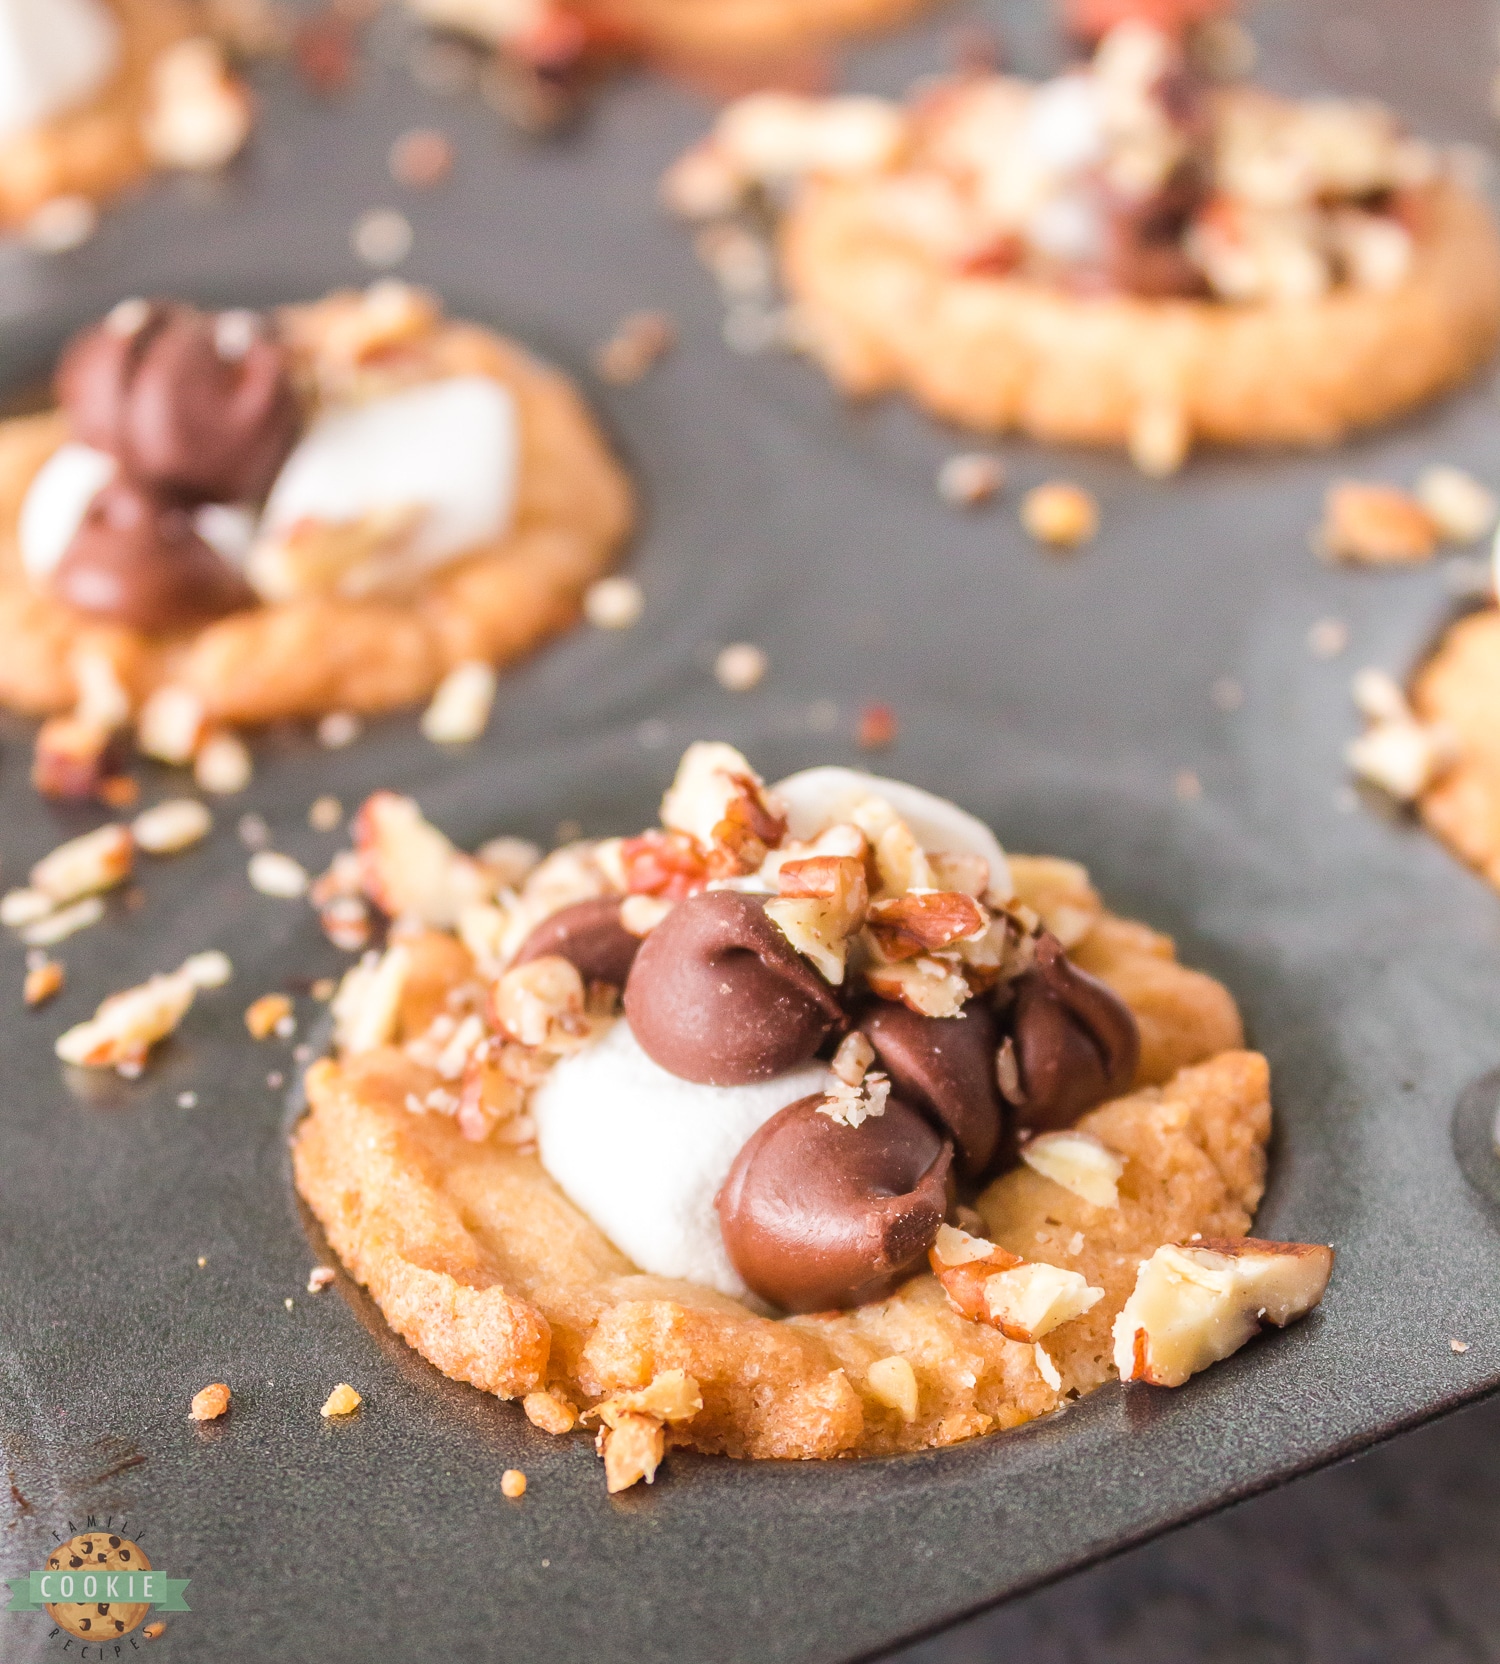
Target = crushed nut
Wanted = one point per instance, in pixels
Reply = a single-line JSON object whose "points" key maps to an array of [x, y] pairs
{"points": [[277, 875], [1458, 1346], [127, 1025], [970, 478], [72, 758], [1025, 1302], [66, 921], [540, 1002], [171, 724], [953, 1246], [1078, 1162], [168, 827], [1460, 507], [640, 915], [632, 1450], [550, 1411], [1374, 525], [198, 115], [83, 866], [223, 765], [631, 1438], [822, 902], [368, 1002], [513, 1484], [421, 157], [853, 1058], [408, 868], [893, 1382], [342, 1401], [326, 814], [210, 1402], [338, 729], [876, 729], [319, 1278], [209, 969], [923, 985], [907, 925], [1160, 439], [263, 1016], [1046, 1368], [1060, 514], [740, 666], [852, 1106], [460, 707], [719, 802], [638, 342], [42, 982], [613, 603]]}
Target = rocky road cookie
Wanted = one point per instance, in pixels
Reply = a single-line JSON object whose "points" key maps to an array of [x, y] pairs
{"points": [[804, 1125], [233, 518], [1129, 254], [94, 93]]}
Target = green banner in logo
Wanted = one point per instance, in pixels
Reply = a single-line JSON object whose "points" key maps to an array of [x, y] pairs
{"points": [[38, 1589]]}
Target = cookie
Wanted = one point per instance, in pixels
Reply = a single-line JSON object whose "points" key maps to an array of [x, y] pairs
{"points": [[323, 591], [138, 86], [98, 1551], [1123, 256], [542, 1218]]}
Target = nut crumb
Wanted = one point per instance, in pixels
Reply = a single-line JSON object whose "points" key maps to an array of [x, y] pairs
{"points": [[1328, 638], [877, 728], [223, 765], [43, 982], [638, 342], [1458, 1346], [326, 814], [342, 1401], [460, 707], [188, 1100], [970, 478], [175, 825], [382, 237], [421, 157], [740, 666], [324, 988], [338, 729], [288, 1302], [1461, 508], [277, 875], [513, 1483], [1374, 525], [264, 1016], [1060, 514], [202, 1261], [550, 1411], [211, 1402], [613, 603], [319, 1278]]}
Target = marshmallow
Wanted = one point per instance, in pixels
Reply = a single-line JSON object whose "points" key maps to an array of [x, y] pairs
{"points": [[450, 447], [54, 55], [643, 1153], [55, 504]]}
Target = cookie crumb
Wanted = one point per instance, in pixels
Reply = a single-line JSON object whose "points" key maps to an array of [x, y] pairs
{"points": [[550, 1411], [155, 1629], [513, 1483], [613, 603], [43, 982], [1060, 514], [210, 969], [61, 224], [188, 1100], [338, 729], [877, 728], [288, 1302], [1370, 524], [277, 875], [324, 988], [1458, 1346], [970, 478], [202, 1261], [264, 1016], [252, 831], [381, 237], [319, 1278], [740, 666], [211, 1402], [1187, 785], [342, 1401], [460, 708], [1328, 638], [223, 765], [326, 814], [638, 342], [421, 157]]}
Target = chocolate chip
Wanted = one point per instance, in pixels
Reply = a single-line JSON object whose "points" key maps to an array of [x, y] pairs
{"points": [[717, 994], [945, 1066], [186, 404], [817, 1215], [136, 559], [124, 1553], [1076, 1041], [590, 936], [102, 1609], [114, 1542]]}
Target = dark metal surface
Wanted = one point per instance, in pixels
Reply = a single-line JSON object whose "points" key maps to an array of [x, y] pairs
{"points": [[1060, 699]]}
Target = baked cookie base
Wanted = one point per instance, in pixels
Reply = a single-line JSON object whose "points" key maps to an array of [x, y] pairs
{"points": [[98, 149], [306, 657], [999, 353], [478, 1260], [731, 29], [1459, 688]]}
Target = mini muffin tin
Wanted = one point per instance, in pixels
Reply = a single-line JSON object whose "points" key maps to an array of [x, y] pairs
{"points": [[1149, 706]]}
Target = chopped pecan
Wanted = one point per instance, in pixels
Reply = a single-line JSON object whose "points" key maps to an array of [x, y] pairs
{"points": [[905, 926], [666, 864]]}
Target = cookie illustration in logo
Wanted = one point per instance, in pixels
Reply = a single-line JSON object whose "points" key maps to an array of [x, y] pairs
{"points": [[87, 1555]]}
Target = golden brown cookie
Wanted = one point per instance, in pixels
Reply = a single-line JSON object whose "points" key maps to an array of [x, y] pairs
{"points": [[478, 1260], [323, 651], [1459, 688]]}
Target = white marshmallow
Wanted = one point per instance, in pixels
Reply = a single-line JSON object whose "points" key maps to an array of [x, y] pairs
{"points": [[227, 528], [450, 446], [1064, 128], [54, 55], [817, 797], [55, 504], [643, 1153]]}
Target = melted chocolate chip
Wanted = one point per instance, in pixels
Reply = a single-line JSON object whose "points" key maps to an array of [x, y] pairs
{"points": [[136, 559], [1076, 1041], [590, 936], [717, 994], [193, 408], [945, 1066], [818, 1215]]}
